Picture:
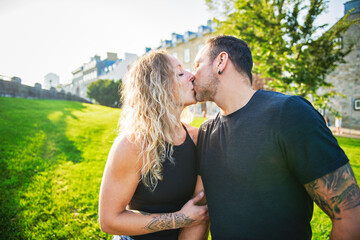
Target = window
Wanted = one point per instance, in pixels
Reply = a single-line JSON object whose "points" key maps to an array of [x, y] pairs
{"points": [[187, 55], [339, 43], [357, 104]]}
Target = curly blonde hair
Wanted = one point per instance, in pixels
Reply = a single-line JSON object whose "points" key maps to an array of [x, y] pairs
{"points": [[148, 118]]}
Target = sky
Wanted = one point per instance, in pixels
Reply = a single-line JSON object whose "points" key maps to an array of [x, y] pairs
{"points": [[42, 36]]}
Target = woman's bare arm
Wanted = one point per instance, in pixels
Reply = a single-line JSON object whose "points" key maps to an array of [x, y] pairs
{"points": [[120, 179]]}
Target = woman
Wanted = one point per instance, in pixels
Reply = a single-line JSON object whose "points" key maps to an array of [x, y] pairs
{"points": [[150, 174]]}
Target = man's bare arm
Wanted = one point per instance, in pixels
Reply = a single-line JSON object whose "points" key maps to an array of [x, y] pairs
{"points": [[200, 231], [338, 195]]}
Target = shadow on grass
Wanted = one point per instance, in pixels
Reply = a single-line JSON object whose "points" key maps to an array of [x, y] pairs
{"points": [[30, 144]]}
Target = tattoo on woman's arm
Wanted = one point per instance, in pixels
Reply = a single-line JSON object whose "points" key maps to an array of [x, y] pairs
{"points": [[160, 222], [165, 221], [335, 192]]}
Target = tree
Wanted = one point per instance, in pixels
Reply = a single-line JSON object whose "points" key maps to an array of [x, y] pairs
{"points": [[286, 43], [106, 92]]}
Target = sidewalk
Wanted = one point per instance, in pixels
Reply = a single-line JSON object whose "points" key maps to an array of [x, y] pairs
{"points": [[346, 132]]}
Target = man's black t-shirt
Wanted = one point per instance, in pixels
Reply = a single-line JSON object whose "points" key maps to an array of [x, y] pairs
{"points": [[254, 164]]}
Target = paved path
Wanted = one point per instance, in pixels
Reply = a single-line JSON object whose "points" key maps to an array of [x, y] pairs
{"points": [[346, 132]]}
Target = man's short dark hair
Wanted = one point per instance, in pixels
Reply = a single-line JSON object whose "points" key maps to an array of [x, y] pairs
{"points": [[237, 49]]}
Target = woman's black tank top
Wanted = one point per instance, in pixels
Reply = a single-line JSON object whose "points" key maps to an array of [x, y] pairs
{"points": [[176, 188]]}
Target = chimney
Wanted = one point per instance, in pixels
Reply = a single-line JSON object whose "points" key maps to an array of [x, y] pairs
{"points": [[112, 56]]}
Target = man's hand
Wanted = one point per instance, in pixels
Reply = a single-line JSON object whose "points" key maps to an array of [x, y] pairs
{"points": [[338, 195]]}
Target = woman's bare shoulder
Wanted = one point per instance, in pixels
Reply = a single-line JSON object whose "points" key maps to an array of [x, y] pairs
{"points": [[193, 132], [123, 154]]}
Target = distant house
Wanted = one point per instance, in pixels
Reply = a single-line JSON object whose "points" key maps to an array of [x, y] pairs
{"points": [[185, 47], [51, 80], [346, 77], [110, 68], [120, 68]]}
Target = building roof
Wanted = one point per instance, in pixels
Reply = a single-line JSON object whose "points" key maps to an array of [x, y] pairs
{"points": [[188, 35], [352, 4]]}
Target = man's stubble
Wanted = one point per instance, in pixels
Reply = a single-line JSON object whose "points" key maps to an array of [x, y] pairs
{"points": [[208, 90]]}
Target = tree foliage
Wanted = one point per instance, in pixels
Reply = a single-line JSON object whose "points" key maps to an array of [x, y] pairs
{"points": [[106, 92], [286, 42]]}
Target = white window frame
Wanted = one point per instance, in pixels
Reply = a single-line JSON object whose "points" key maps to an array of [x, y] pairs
{"points": [[187, 55], [357, 104]]}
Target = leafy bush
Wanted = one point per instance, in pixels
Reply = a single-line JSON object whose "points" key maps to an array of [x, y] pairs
{"points": [[105, 92]]}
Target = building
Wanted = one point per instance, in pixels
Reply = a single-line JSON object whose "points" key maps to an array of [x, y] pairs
{"points": [[120, 68], [51, 80], [77, 81], [185, 47], [110, 68], [346, 77]]}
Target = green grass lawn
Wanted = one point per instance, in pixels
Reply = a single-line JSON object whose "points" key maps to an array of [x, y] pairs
{"points": [[52, 156]]}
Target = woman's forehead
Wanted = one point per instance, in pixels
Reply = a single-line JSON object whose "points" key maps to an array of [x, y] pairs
{"points": [[175, 63]]}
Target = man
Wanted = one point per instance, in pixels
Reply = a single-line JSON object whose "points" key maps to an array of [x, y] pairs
{"points": [[267, 156]]}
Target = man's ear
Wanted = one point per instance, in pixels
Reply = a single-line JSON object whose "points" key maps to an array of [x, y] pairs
{"points": [[222, 61]]}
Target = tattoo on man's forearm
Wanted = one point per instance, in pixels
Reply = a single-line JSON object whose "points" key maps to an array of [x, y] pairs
{"points": [[160, 222], [181, 220], [335, 191]]}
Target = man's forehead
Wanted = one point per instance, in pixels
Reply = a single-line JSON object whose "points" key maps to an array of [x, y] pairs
{"points": [[203, 53], [204, 50]]}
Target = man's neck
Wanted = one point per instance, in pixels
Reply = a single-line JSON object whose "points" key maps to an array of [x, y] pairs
{"points": [[232, 99]]}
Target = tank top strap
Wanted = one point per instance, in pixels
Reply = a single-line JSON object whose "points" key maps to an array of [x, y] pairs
{"points": [[187, 133], [188, 137]]}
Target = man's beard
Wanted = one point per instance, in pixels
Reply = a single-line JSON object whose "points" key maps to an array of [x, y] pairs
{"points": [[207, 91]]}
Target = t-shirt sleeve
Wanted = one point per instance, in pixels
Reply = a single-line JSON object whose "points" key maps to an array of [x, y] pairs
{"points": [[307, 143]]}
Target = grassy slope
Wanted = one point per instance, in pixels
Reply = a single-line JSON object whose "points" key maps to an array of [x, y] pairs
{"points": [[52, 155]]}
